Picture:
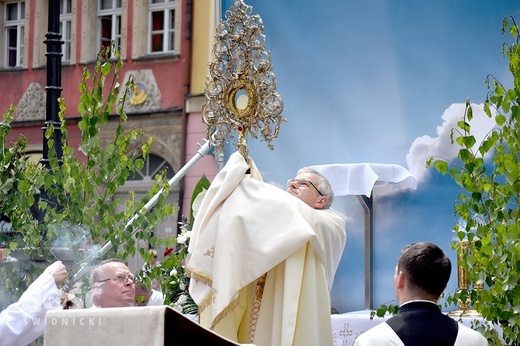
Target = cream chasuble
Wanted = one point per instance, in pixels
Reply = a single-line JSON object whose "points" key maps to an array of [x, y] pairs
{"points": [[262, 262]]}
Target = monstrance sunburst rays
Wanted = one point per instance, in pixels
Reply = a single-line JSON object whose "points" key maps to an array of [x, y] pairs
{"points": [[240, 90]]}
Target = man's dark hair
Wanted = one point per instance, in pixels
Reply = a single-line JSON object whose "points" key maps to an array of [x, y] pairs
{"points": [[426, 266]]}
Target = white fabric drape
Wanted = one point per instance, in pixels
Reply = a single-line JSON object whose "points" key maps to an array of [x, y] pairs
{"points": [[360, 178]]}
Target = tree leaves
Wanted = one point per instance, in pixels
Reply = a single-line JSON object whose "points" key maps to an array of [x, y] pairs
{"points": [[490, 212], [82, 187]]}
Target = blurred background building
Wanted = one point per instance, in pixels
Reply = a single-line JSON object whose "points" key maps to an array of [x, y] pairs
{"points": [[165, 45]]}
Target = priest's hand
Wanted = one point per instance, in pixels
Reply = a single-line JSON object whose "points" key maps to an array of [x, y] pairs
{"points": [[58, 272]]}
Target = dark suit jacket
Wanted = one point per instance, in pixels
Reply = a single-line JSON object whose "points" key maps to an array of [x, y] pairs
{"points": [[422, 323]]}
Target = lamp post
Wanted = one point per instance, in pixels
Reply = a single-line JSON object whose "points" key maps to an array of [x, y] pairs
{"points": [[53, 88]]}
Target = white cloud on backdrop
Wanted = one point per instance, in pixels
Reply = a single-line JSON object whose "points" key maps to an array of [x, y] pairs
{"points": [[425, 146]]}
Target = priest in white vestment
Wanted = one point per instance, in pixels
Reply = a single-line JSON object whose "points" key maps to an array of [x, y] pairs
{"points": [[24, 321], [262, 262]]}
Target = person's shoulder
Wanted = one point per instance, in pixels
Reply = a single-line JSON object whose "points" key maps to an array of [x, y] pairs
{"points": [[157, 298], [469, 337], [380, 335], [332, 217]]}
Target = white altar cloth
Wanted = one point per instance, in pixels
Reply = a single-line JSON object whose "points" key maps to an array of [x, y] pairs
{"points": [[348, 326], [146, 325], [360, 178]]}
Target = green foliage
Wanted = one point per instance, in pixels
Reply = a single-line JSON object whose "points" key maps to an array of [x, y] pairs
{"points": [[17, 197], [489, 205], [16, 180], [202, 184], [81, 209], [83, 190], [171, 270], [383, 310]]}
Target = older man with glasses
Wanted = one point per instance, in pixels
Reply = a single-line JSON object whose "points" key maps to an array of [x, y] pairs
{"points": [[113, 285], [317, 194], [262, 262]]}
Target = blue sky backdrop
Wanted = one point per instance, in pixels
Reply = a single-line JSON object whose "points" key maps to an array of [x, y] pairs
{"points": [[380, 81]]}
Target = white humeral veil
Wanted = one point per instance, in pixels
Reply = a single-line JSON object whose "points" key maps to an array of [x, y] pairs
{"points": [[246, 228]]}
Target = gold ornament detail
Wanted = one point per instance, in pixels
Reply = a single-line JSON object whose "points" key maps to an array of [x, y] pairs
{"points": [[240, 90], [463, 283], [138, 95]]}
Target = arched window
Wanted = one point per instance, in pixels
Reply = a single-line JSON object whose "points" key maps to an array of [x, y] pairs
{"points": [[152, 166]]}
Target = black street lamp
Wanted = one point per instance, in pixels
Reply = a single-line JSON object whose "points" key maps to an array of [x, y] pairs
{"points": [[53, 88]]}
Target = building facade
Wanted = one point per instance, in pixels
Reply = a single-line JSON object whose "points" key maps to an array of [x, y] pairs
{"points": [[160, 49]]}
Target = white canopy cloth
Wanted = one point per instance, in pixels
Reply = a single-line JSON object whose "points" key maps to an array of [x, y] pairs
{"points": [[360, 178]]}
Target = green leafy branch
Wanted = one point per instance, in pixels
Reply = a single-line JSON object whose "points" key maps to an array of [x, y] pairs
{"points": [[489, 205], [82, 206], [171, 270]]}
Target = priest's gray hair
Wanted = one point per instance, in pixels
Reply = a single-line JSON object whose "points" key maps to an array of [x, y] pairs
{"points": [[323, 185]]}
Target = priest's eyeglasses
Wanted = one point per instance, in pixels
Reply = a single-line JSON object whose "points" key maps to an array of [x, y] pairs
{"points": [[121, 278], [303, 182]]}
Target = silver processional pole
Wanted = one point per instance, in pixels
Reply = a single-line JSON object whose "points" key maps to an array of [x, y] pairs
{"points": [[87, 267]]}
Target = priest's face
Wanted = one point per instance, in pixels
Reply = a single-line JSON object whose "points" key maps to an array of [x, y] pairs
{"points": [[115, 286], [304, 187]]}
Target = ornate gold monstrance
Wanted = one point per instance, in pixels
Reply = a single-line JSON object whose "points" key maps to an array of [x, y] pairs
{"points": [[240, 90]]}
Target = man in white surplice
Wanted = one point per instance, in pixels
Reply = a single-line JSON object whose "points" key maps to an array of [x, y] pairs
{"points": [[24, 321], [261, 261]]}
